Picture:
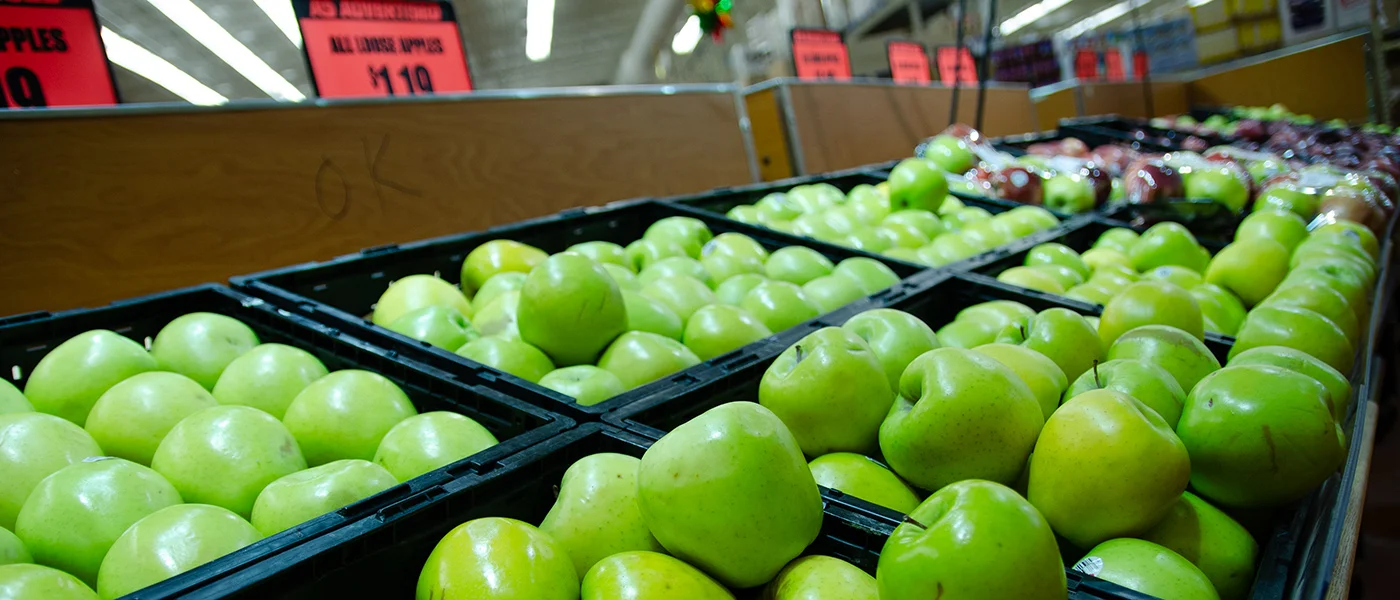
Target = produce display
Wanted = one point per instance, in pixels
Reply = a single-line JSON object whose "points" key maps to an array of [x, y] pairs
{"points": [[599, 318], [910, 217], [124, 467]]}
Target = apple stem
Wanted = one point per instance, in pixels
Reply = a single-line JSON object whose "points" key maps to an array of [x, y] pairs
{"points": [[910, 520], [1097, 383], [1023, 331]]}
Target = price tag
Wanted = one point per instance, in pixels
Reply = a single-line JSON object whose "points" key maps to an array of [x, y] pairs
{"points": [[956, 67], [1086, 64], [1140, 64], [909, 63], [360, 48], [1113, 65], [820, 54], [52, 55]]}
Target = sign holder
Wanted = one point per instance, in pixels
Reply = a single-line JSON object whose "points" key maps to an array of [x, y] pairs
{"points": [[48, 40], [367, 48], [908, 62], [820, 54]]}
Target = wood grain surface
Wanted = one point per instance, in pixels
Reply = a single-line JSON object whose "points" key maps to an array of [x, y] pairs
{"points": [[1129, 98], [1327, 82], [95, 209]]}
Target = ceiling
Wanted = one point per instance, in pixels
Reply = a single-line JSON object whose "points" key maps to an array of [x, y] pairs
{"points": [[589, 37]]}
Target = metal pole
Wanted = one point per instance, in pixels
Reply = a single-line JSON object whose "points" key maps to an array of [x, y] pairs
{"points": [[983, 72], [957, 61], [1145, 76]]}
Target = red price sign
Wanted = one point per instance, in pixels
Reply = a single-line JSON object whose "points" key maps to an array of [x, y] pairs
{"points": [[51, 55], [1113, 65], [956, 67], [382, 47], [1086, 64], [1140, 64], [820, 54], [909, 63]]}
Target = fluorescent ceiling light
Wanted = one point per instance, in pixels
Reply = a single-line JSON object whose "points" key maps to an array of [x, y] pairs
{"points": [[1029, 15], [132, 57], [688, 37], [539, 29], [282, 15], [1097, 19], [1199, 2], [218, 40]]}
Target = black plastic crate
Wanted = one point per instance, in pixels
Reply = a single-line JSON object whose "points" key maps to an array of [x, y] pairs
{"points": [[1016, 144], [338, 292], [1141, 130], [25, 339]]}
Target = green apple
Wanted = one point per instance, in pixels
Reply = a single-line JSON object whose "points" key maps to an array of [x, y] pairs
{"points": [[779, 305], [1146, 567], [896, 337], [740, 456], [345, 415], [601, 253], [70, 378], [917, 183], [642, 253], [1057, 254], [441, 326], [1297, 328], [302, 496], [736, 245], [75, 515], [625, 278], [733, 290], [816, 577], [866, 238], [812, 198], [1106, 441], [1353, 230], [839, 220], [1044, 378], [861, 476], [571, 309], [430, 441], [868, 203], [692, 233], [997, 314], [501, 283], [676, 265], [495, 557], [643, 574], [22, 582], [1251, 268], [1145, 382], [1114, 277], [131, 419], [1338, 388], [1042, 219], [1068, 193], [815, 227], [1221, 548], [586, 384], [201, 345], [830, 390], [1062, 335], [959, 415], [1221, 310], [1175, 351], [226, 455], [1150, 303], [950, 153], [869, 275], [496, 256], [499, 318], [12, 550], [719, 328], [923, 221], [947, 249], [1350, 284], [12, 400], [1259, 436], [1175, 274], [639, 357], [1219, 184], [1168, 243], [1334, 243], [721, 267], [966, 333], [595, 514], [1093, 292], [169, 542], [1287, 196], [904, 254], [972, 539], [682, 294], [950, 205], [1034, 279], [512, 356], [777, 207], [1066, 276], [1097, 258], [646, 314], [1281, 226], [831, 292], [1334, 257], [268, 378], [745, 213], [1121, 239], [1325, 301], [414, 292], [32, 447], [797, 264]]}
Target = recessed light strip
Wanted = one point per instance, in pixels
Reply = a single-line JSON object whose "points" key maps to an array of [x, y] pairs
{"points": [[282, 15], [218, 40], [539, 29], [132, 57]]}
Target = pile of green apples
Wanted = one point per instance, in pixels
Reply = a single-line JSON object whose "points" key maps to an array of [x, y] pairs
{"points": [[599, 319], [124, 467], [910, 217]]}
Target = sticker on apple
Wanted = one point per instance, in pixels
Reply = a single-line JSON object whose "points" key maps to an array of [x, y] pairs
{"points": [[1089, 565]]}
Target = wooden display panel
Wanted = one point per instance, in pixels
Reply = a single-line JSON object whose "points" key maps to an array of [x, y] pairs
{"points": [[1328, 82]]}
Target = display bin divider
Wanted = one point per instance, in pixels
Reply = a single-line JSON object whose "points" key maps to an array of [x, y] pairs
{"points": [[518, 425]]}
